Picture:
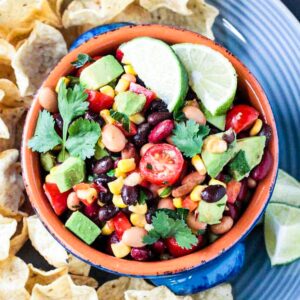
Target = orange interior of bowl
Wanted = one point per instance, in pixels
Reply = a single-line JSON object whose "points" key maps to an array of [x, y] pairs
{"points": [[31, 170]]}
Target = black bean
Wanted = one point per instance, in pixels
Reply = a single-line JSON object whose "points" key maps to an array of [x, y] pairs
{"points": [[103, 179], [150, 214], [267, 132], [156, 117], [157, 105], [105, 197], [130, 194], [141, 138], [89, 115], [213, 193], [58, 121], [103, 165], [229, 137], [141, 254], [107, 212]]}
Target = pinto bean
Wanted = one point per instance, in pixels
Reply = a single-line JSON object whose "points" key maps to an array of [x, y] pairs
{"points": [[166, 203], [193, 223], [194, 177], [73, 202], [48, 99], [133, 237], [225, 225], [183, 189], [113, 138], [194, 113]]}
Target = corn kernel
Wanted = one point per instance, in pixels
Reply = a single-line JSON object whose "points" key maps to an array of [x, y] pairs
{"points": [[100, 143], [197, 162], [133, 179], [119, 173], [196, 192], [61, 79], [256, 127], [120, 249], [107, 229], [89, 194], [49, 179], [118, 201], [139, 209], [216, 182], [164, 192], [138, 220], [214, 144], [129, 69], [115, 186], [122, 85], [129, 77], [137, 118], [126, 165], [108, 91], [105, 114], [177, 202]]}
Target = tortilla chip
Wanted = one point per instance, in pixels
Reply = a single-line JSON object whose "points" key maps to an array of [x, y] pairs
{"points": [[20, 238], [45, 244], [177, 6], [20, 294], [116, 288], [37, 57], [11, 183], [81, 12], [4, 132], [63, 288], [7, 51], [37, 276], [11, 117], [8, 227], [220, 292], [85, 280], [160, 292], [14, 274], [77, 266]]}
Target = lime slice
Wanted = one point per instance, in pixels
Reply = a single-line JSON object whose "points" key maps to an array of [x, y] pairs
{"points": [[158, 66], [282, 233], [211, 76], [287, 190]]}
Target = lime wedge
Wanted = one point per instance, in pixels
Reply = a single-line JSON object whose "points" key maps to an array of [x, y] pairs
{"points": [[158, 66], [282, 233], [211, 76], [287, 190]]}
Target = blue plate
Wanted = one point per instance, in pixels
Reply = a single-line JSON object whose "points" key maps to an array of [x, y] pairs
{"points": [[266, 37]]}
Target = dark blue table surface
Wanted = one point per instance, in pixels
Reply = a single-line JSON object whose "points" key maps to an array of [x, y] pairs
{"points": [[294, 6]]}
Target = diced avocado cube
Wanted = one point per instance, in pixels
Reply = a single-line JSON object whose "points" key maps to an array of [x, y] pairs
{"points": [[211, 213], [83, 227], [101, 72], [47, 161], [69, 173], [215, 162], [217, 121], [130, 103], [250, 152]]}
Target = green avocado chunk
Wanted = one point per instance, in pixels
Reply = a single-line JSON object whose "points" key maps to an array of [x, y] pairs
{"points": [[217, 121], [69, 173], [130, 103], [101, 72], [251, 150], [47, 161], [83, 227], [215, 162], [211, 213]]}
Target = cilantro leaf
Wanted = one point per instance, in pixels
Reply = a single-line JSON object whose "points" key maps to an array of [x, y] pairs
{"points": [[122, 118], [45, 137], [188, 137], [83, 136], [164, 227], [81, 60], [71, 104], [142, 197]]}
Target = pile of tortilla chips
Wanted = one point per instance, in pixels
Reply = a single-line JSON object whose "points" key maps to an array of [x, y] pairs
{"points": [[34, 35]]}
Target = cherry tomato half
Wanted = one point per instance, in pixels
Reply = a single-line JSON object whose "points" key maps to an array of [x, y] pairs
{"points": [[99, 101], [161, 164], [138, 89], [121, 224], [241, 117]]}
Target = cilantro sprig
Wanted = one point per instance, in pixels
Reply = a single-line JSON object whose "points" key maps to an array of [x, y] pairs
{"points": [[164, 227], [122, 118], [81, 60], [188, 137]]}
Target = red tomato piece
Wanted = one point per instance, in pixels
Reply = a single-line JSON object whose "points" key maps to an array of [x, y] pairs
{"points": [[57, 199], [119, 55], [121, 224], [138, 89], [98, 101], [233, 189], [132, 129], [161, 164], [241, 117], [176, 251], [189, 204]]}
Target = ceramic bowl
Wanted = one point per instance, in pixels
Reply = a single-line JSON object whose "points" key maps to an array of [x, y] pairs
{"points": [[187, 274]]}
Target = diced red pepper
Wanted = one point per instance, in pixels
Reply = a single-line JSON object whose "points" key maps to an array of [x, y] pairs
{"points": [[233, 189], [189, 204], [132, 129], [119, 55], [138, 89], [57, 199], [121, 224], [98, 101]]}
